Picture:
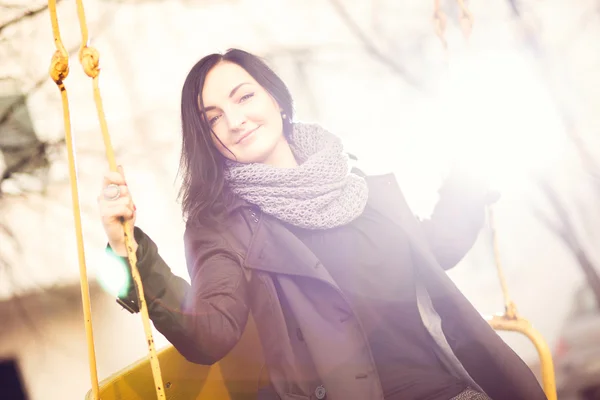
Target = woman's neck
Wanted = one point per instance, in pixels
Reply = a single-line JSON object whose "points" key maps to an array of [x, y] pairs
{"points": [[282, 156]]}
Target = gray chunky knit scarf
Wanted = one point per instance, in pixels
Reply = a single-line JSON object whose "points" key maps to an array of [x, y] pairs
{"points": [[320, 193]]}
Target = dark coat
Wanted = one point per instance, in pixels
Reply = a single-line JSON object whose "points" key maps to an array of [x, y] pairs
{"points": [[310, 335]]}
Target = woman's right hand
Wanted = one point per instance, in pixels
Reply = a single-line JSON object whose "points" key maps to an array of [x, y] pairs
{"points": [[116, 205]]}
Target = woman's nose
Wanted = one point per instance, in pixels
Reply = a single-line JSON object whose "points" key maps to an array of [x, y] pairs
{"points": [[237, 119]]}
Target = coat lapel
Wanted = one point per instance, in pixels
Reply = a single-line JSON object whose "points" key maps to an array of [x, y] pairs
{"points": [[277, 250]]}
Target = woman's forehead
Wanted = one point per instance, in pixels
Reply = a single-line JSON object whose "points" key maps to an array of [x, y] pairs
{"points": [[222, 79]]}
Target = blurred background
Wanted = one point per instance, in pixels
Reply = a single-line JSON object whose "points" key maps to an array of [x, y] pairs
{"points": [[515, 99]]}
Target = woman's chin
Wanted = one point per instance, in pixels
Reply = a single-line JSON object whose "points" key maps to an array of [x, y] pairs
{"points": [[257, 152]]}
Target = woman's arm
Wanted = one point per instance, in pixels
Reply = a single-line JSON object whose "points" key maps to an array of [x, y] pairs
{"points": [[203, 320], [456, 220]]}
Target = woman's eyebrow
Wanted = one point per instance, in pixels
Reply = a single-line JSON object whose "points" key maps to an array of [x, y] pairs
{"points": [[235, 89]]}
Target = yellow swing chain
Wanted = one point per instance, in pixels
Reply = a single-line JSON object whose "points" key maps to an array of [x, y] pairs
{"points": [[59, 69], [510, 309], [466, 23], [513, 322]]}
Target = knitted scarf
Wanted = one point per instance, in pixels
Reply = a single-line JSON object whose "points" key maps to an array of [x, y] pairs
{"points": [[319, 193]]}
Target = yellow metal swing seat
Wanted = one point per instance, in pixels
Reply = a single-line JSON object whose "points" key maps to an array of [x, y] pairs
{"points": [[238, 376], [241, 373]]}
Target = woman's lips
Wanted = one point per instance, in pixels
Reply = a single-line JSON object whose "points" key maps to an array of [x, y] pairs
{"points": [[246, 135]]}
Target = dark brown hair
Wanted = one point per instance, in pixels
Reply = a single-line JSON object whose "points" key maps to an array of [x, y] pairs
{"points": [[203, 194]]}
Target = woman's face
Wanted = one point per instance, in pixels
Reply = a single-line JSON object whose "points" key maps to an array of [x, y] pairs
{"points": [[242, 114]]}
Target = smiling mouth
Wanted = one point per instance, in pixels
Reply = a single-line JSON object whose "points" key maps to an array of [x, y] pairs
{"points": [[245, 135]]}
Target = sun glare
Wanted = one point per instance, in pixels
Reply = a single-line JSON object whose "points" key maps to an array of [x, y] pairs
{"points": [[499, 117]]}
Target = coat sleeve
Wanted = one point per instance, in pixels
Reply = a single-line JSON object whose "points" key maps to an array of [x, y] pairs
{"points": [[203, 320], [455, 222]]}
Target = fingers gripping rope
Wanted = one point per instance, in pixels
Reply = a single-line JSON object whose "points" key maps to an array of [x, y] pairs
{"points": [[59, 70]]}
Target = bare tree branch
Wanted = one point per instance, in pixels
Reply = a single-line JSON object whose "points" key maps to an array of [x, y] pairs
{"points": [[565, 229], [372, 49], [14, 106], [567, 232], [10, 110], [26, 15], [42, 148], [548, 223], [12, 6], [592, 166], [40, 151], [589, 163]]}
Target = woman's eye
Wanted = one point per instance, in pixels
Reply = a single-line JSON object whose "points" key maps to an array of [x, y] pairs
{"points": [[246, 97], [213, 120]]}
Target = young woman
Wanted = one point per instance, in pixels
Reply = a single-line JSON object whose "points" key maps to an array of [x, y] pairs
{"points": [[346, 286]]}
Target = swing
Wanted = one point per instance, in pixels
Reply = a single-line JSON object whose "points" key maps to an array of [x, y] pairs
{"points": [[241, 374]]}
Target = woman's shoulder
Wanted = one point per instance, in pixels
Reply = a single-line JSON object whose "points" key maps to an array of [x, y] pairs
{"points": [[231, 233], [210, 231]]}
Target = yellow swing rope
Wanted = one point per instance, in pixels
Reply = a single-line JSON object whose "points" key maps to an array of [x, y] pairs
{"points": [[59, 69], [510, 320], [513, 322]]}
